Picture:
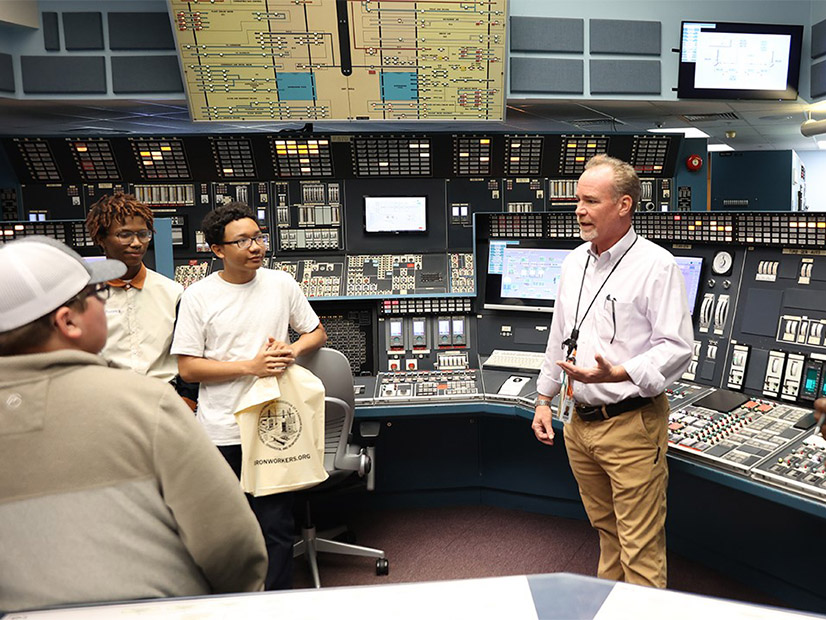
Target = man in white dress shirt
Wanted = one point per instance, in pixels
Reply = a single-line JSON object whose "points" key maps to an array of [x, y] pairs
{"points": [[620, 334]]}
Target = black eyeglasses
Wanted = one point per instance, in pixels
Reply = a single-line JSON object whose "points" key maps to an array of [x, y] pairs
{"points": [[101, 290], [126, 236], [262, 240]]}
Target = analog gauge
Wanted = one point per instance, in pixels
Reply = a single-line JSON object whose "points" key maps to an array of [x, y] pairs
{"points": [[722, 263]]}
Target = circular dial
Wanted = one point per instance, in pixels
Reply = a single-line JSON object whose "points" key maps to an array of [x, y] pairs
{"points": [[722, 262]]}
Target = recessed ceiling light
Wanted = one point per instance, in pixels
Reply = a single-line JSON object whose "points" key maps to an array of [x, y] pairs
{"points": [[821, 144], [716, 148], [688, 132]]}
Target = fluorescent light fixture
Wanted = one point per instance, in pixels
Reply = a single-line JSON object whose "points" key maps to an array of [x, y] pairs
{"points": [[688, 132], [821, 144], [716, 148]]}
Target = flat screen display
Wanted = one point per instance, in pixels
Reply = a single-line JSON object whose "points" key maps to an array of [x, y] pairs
{"points": [[522, 277], [692, 269], [723, 60], [395, 214]]}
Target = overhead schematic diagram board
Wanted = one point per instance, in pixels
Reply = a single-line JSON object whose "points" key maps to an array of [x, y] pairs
{"points": [[313, 60]]}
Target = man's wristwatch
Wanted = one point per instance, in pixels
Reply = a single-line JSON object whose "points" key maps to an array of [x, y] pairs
{"points": [[542, 402]]}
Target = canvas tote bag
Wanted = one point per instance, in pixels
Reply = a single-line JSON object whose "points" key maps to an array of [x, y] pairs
{"points": [[282, 433]]}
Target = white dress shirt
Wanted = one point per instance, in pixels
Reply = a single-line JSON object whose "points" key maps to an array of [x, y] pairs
{"points": [[639, 320]]}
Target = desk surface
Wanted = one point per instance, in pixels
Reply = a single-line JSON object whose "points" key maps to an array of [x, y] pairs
{"points": [[556, 596]]}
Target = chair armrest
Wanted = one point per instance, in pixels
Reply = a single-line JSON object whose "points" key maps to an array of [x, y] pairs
{"points": [[341, 403], [348, 457]]}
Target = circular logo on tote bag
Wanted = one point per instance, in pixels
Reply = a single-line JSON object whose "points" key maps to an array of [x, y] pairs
{"points": [[279, 425]]}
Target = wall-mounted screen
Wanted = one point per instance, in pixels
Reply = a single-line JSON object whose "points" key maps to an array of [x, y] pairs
{"points": [[720, 60], [395, 214], [521, 276], [692, 269]]}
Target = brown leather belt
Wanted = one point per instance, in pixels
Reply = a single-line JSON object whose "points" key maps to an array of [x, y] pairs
{"points": [[597, 413]]}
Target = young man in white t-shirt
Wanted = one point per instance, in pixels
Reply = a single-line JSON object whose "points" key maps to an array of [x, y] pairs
{"points": [[233, 327]]}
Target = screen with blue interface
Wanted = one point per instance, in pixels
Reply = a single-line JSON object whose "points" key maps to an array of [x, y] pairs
{"points": [[521, 277], [531, 273], [692, 269]]}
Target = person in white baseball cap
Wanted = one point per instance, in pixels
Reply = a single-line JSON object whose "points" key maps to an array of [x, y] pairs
{"points": [[41, 277], [109, 488]]}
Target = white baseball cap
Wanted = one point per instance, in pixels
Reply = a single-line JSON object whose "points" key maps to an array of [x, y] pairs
{"points": [[40, 274]]}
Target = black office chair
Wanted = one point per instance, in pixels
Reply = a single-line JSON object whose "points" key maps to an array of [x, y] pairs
{"points": [[341, 459]]}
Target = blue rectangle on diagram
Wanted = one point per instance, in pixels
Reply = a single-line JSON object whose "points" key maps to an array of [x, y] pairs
{"points": [[399, 86], [296, 86]]}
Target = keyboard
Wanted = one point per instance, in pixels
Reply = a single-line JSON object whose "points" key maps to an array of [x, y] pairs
{"points": [[514, 360]]}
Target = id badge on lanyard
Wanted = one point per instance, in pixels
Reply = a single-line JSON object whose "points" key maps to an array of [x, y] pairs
{"points": [[565, 410]]}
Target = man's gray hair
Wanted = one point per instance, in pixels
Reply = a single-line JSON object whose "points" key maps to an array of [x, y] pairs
{"points": [[626, 180]]}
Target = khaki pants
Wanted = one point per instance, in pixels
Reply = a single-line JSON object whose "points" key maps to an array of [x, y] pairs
{"points": [[620, 467]]}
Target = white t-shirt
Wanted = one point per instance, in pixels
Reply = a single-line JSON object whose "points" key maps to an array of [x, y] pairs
{"points": [[221, 321]]}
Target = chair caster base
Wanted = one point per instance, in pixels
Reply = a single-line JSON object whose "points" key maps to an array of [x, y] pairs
{"points": [[382, 566]]}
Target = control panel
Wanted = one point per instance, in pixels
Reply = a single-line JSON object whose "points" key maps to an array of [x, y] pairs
{"points": [[736, 438], [434, 385], [799, 467], [317, 278], [407, 245], [396, 274], [308, 215]]}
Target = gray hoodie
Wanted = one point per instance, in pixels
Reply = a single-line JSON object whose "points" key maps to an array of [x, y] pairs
{"points": [[110, 490]]}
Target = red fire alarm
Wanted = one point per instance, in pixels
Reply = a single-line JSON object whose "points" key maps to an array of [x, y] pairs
{"points": [[694, 163]]}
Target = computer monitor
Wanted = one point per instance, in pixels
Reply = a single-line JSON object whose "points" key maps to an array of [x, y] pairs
{"points": [[692, 270], [723, 60], [395, 214], [521, 276]]}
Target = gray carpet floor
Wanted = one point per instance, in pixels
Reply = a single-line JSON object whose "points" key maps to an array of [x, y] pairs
{"points": [[431, 544]]}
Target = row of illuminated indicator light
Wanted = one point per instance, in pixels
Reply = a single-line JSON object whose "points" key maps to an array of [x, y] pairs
{"points": [[147, 157], [712, 227], [17, 229], [291, 147], [728, 227], [314, 144], [482, 157]]}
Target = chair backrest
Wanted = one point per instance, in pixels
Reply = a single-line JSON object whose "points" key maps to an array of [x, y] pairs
{"points": [[333, 368]]}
